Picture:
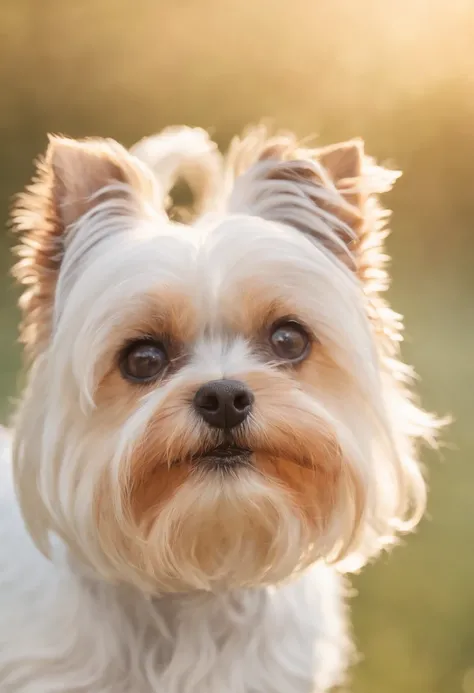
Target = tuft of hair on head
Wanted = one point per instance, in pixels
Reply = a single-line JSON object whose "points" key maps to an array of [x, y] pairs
{"points": [[184, 158]]}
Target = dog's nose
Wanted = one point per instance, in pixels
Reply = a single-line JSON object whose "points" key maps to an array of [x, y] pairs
{"points": [[224, 403]]}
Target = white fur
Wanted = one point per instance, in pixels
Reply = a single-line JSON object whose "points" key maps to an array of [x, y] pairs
{"points": [[64, 631], [93, 620]]}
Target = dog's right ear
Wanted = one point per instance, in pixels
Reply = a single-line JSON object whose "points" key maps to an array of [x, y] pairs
{"points": [[71, 180]]}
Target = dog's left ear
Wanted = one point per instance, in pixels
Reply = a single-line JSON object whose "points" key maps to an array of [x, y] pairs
{"points": [[326, 193]]}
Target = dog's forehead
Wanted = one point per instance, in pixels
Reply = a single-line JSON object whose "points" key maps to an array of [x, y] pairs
{"points": [[213, 259], [237, 272], [244, 259], [236, 275], [243, 250], [241, 261], [241, 237]]}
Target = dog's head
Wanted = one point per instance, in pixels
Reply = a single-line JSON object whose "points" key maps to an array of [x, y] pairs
{"points": [[216, 404]]}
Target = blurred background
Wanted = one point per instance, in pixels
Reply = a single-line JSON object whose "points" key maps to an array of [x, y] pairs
{"points": [[401, 75]]}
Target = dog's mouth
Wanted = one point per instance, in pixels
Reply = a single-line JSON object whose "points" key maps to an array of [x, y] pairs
{"points": [[224, 456]]}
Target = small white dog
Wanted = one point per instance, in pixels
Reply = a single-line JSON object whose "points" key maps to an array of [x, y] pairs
{"points": [[216, 425]]}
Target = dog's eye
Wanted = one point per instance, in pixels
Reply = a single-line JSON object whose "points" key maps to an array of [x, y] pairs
{"points": [[290, 341], [143, 361]]}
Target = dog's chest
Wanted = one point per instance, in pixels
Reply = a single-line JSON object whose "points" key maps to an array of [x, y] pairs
{"points": [[290, 640]]}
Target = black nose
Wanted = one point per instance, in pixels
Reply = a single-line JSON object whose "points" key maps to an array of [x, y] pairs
{"points": [[224, 403]]}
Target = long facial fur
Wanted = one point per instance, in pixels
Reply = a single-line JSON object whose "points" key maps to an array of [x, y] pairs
{"points": [[114, 468]]}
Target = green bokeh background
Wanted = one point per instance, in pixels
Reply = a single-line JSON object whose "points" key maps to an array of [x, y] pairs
{"points": [[401, 75]]}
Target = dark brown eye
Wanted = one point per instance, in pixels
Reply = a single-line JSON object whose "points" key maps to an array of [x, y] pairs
{"points": [[290, 341], [143, 361]]}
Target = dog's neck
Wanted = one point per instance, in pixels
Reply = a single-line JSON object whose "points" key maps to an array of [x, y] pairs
{"points": [[95, 584]]}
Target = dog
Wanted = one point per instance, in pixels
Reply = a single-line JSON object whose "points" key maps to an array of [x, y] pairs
{"points": [[216, 426]]}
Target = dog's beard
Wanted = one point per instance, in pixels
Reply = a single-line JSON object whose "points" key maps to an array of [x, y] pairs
{"points": [[220, 528], [192, 508], [229, 529]]}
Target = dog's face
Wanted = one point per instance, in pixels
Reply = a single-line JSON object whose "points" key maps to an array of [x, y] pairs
{"points": [[209, 406]]}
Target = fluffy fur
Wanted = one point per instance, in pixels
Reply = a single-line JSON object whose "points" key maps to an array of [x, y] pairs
{"points": [[143, 570]]}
